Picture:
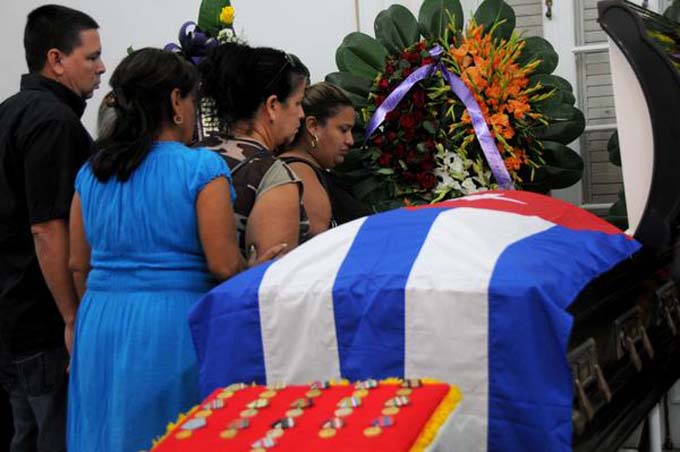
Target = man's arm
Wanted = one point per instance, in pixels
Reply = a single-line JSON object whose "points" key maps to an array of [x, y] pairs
{"points": [[52, 249]]}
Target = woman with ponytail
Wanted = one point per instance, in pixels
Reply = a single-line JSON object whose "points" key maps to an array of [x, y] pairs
{"points": [[152, 230], [258, 94]]}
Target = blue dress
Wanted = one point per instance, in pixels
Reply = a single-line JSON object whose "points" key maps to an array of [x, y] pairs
{"points": [[133, 368]]}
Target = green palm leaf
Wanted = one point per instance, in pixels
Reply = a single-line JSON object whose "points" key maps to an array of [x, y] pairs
{"points": [[361, 55], [396, 28], [433, 17]]}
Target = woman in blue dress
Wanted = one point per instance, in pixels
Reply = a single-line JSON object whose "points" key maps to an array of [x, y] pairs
{"points": [[152, 229]]}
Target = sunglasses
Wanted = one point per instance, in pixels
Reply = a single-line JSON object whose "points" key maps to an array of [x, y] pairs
{"points": [[289, 60]]}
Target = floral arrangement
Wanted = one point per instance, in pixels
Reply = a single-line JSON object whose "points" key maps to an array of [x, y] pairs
{"points": [[215, 26], [427, 148]]}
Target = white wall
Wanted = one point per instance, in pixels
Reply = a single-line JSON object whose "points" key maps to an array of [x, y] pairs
{"points": [[311, 29]]}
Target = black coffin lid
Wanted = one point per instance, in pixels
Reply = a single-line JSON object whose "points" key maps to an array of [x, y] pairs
{"points": [[628, 25]]}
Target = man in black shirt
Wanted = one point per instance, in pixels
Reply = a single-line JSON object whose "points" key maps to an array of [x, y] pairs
{"points": [[42, 146]]}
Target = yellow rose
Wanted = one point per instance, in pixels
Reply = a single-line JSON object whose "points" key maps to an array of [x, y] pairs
{"points": [[227, 15]]}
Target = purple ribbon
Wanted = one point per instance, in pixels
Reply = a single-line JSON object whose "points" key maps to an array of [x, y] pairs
{"points": [[486, 140], [193, 43]]}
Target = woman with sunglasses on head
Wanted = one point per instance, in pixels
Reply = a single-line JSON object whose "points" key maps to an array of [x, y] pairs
{"points": [[323, 141], [151, 231], [258, 94]]}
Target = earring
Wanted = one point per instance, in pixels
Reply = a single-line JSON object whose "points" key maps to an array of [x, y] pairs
{"points": [[178, 119], [315, 141]]}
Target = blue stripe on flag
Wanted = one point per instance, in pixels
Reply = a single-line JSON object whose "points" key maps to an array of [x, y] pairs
{"points": [[229, 315], [530, 386], [368, 294]]}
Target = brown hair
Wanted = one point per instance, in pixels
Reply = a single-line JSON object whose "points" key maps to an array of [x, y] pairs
{"points": [[324, 100]]}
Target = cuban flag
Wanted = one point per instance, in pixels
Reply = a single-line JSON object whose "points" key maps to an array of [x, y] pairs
{"points": [[473, 292]]}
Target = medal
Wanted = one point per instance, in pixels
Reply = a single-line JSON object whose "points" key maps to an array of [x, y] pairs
{"points": [[275, 433], [334, 423], [249, 413], [349, 402], [228, 433], [258, 403], [383, 421], [239, 424], [360, 393], [343, 412], [327, 433], [215, 404], [285, 423], [313, 393], [411, 383], [366, 384], [294, 412], [372, 431], [183, 434], [269, 394], [195, 424], [203, 413], [398, 401], [302, 403], [390, 411]]}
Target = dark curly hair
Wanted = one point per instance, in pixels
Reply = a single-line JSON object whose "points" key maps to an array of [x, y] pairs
{"points": [[141, 84], [240, 78]]}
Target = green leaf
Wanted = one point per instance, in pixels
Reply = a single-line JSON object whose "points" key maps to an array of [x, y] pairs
{"points": [[396, 28], [566, 124], [385, 171], [614, 150], [361, 55], [551, 81], [536, 48], [209, 16], [555, 104], [492, 12], [350, 83], [433, 17], [563, 167], [363, 189], [673, 12]]}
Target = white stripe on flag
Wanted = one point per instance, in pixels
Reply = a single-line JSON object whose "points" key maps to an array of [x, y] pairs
{"points": [[447, 304], [296, 309]]}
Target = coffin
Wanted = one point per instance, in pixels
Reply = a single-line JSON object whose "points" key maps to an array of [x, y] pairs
{"points": [[561, 330], [624, 348]]}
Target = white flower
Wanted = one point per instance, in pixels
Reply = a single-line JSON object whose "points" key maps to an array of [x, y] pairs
{"points": [[457, 164], [469, 186]]}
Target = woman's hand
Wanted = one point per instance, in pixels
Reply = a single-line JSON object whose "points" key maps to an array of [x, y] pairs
{"points": [[272, 253]]}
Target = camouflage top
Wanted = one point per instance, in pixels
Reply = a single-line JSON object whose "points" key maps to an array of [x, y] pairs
{"points": [[255, 171]]}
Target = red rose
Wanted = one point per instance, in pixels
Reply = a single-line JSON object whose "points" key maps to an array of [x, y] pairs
{"points": [[418, 117], [409, 177], [427, 164], [406, 72], [391, 136], [420, 46], [383, 84], [426, 180], [384, 159], [389, 69], [399, 150], [413, 57], [427, 60], [411, 157], [430, 144], [379, 100], [409, 134], [378, 140], [391, 116], [419, 98], [407, 121]]}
